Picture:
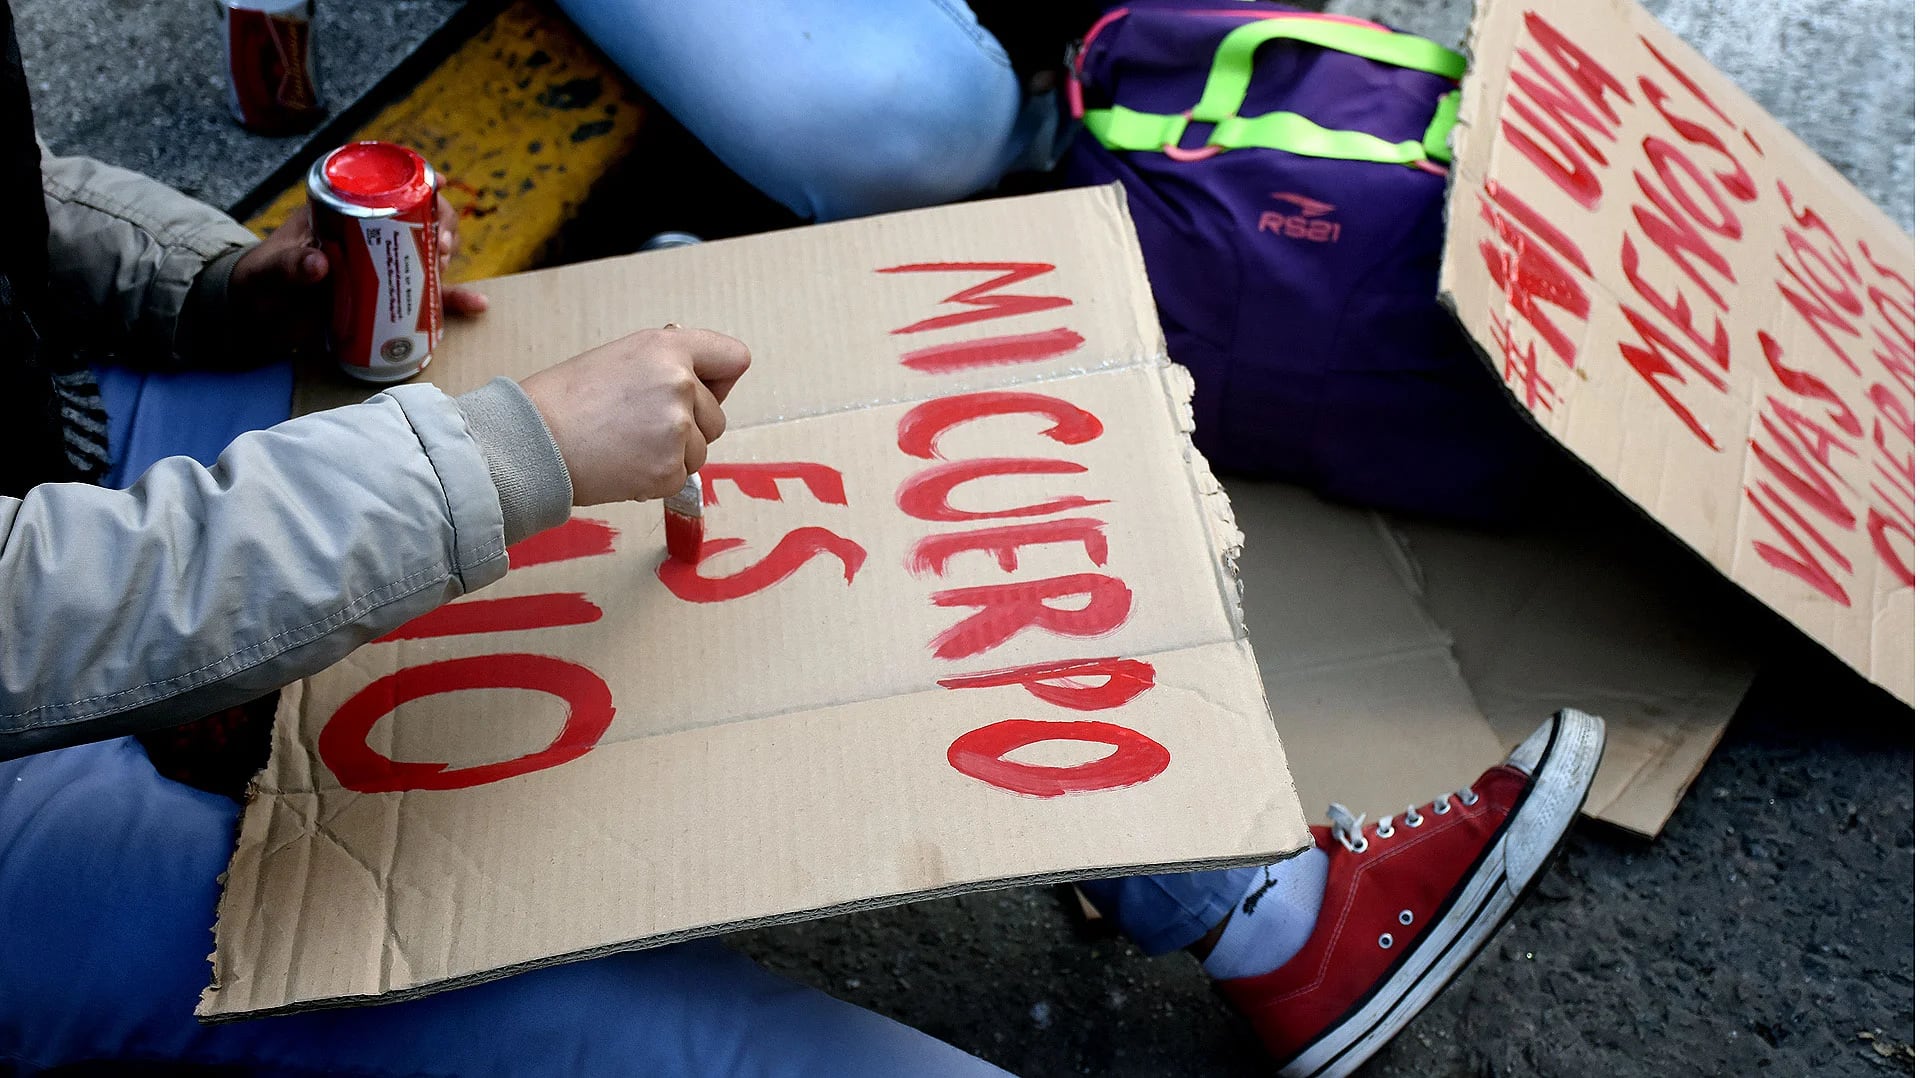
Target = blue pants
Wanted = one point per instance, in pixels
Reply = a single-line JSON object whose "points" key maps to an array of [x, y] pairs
{"points": [[835, 108], [109, 876]]}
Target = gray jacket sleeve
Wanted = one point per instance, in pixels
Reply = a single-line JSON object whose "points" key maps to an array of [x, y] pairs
{"points": [[127, 259], [200, 588]]}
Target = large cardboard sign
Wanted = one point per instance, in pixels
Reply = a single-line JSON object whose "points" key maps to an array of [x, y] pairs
{"points": [[1698, 307], [965, 615]]}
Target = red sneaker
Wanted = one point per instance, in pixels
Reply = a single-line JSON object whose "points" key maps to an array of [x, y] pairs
{"points": [[1411, 900]]}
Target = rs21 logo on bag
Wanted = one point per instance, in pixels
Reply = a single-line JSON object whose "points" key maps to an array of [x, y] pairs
{"points": [[1311, 219]]}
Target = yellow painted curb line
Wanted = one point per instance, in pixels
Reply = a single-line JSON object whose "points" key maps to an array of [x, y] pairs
{"points": [[521, 121]]}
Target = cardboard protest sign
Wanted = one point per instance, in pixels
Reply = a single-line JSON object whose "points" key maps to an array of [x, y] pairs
{"points": [[1698, 307], [965, 615], [1402, 658]]}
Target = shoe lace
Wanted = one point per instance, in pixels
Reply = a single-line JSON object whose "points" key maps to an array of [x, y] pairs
{"points": [[1349, 827]]}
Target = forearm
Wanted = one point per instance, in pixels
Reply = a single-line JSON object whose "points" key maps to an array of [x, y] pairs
{"points": [[200, 588], [127, 255]]}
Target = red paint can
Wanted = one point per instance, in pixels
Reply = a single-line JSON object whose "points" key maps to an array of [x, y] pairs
{"points": [[374, 215], [270, 74]]}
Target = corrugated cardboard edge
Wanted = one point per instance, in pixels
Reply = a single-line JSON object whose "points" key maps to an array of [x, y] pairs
{"points": [[1471, 90], [1216, 512], [1626, 806], [284, 710]]}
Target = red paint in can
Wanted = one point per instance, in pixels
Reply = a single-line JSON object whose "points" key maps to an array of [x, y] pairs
{"points": [[374, 215], [270, 72]]}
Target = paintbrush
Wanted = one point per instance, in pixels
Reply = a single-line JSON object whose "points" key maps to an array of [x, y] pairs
{"points": [[686, 522]]}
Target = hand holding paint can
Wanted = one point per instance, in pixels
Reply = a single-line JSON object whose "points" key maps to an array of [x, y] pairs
{"points": [[375, 217]]}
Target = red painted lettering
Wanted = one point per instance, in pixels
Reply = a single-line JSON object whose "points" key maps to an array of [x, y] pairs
{"points": [[1881, 528], [1670, 164], [761, 481], [1813, 270], [1522, 366], [983, 296], [1892, 409], [930, 555], [1652, 364], [1570, 163], [925, 494], [921, 428], [1679, 314], [514, 614], [1798, 473], [1057, 683], [1733, 177], [1799, 560], [1692, 87], [1815, 299], [795, 549], [993, 351], [982, 754], [579, 537], [1523, 213], [1531, 78], [1815, 440], [1806, 384], [1587, 74], [1569, 171], [1530, 278], [1007, 609], [1673, 231], [343, 744], [1891, 273]]}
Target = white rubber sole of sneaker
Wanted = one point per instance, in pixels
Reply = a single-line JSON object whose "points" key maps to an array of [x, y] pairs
{"points": [[1510, 869]]}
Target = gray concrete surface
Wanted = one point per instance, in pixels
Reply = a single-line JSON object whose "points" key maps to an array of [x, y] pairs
{"points": [[142, 84]]}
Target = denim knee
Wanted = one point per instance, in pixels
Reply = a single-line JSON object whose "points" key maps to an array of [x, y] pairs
{"points": [[901, 134]]}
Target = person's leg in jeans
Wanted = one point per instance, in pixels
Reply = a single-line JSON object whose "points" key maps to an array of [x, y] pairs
{"points": [[108, 878], [109, 875], [835, 108]]}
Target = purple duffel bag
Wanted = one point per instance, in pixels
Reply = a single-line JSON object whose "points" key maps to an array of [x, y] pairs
{"points": [[1286, 171]]}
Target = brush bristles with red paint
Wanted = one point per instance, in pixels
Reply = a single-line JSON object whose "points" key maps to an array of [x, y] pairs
{"points": [[686, 522]]}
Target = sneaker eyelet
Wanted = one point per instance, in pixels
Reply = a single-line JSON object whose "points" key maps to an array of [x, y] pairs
{"points": [[1406, 917], [1471, 798], [1355, 847], [1384, 829], [1386, 940], [1414, 819], [1441, 808]]}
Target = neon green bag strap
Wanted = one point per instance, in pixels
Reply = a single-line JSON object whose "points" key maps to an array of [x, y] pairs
{"points": [[1233, 61], [1121, 128]]}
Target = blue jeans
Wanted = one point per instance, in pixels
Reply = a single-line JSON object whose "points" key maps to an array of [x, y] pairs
{"points": [[835, 108], [109, 876]]}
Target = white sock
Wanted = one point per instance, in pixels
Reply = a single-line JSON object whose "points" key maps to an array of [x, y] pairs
{"points": [[1272, 922]]}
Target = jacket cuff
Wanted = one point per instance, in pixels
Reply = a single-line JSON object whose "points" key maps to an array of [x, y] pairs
{"points": [[207, 319], [536, 493]]}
